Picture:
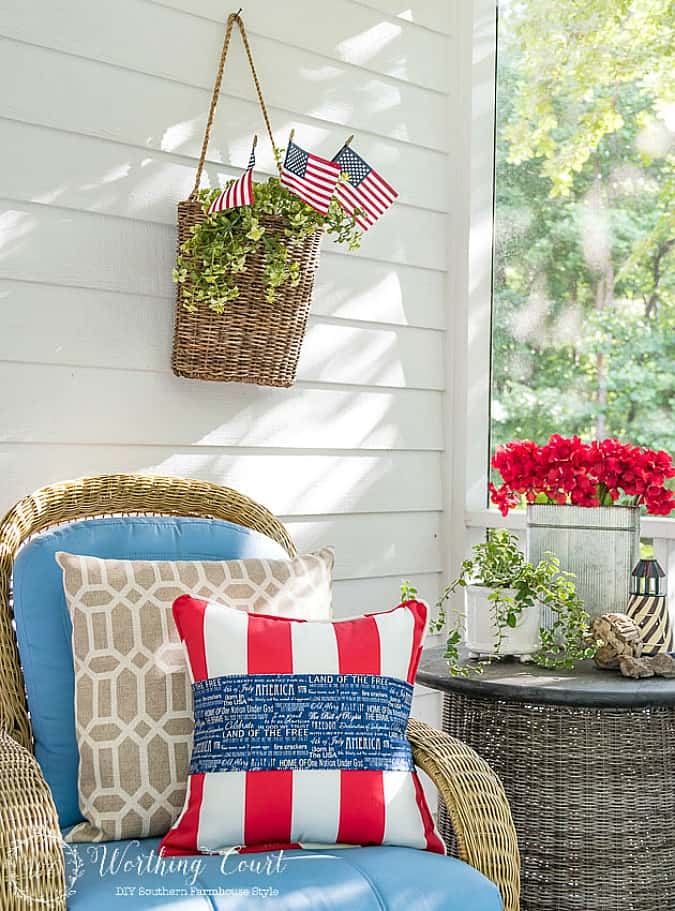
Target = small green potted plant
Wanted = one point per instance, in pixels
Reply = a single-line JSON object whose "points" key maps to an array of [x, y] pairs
{"points": [[504, 597]]}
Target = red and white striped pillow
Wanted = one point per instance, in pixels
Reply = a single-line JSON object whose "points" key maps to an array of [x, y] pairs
{"points": [[300, 731]]}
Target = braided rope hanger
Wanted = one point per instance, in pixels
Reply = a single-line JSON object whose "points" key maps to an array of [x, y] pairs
{"points": [[231, 19]]}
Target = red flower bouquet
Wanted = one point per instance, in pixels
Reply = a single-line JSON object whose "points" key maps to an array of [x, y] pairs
{"points": [[583, 474]]}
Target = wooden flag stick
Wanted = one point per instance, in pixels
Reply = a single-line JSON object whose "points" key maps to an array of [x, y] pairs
{"points": [[255, 140], [349, 139], [290, 136]]}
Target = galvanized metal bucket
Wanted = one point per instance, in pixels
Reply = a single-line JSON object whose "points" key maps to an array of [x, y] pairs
{"points": [[599, 545]]}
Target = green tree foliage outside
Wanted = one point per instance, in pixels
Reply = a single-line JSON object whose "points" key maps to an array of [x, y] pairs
{"points": [[584, 311]]}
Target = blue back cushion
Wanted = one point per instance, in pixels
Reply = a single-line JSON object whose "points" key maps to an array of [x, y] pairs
{"points": [[43, 625]]}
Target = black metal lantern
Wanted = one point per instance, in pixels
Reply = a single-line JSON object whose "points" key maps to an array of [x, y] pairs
{"points": [[647, 606], [648, 578]]}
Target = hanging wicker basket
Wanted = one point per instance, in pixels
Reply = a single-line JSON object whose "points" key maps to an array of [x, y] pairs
{"points": [[253, 340]]}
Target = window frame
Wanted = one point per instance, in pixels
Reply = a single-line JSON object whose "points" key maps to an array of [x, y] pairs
{"points": [[470, 292]]}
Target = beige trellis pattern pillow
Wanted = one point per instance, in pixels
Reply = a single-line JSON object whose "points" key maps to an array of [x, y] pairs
{"points": [[133, 700]]}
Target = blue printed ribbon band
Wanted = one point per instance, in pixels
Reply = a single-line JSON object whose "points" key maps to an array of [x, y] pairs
{"points": [[246, 723]]}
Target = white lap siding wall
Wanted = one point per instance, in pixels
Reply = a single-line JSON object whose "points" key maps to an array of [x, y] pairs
{"points": [[101, 121]]}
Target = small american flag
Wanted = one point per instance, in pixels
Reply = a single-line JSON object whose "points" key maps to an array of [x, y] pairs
{"points": [[365, 190], [310, 177], [239, 193]]}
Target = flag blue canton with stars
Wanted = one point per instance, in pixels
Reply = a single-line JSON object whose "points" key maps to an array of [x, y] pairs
{"points": [[296, 160], [310, 177], [352, 164]]}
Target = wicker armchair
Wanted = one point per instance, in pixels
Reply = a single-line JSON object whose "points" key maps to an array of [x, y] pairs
{"points": [[30, 844]]}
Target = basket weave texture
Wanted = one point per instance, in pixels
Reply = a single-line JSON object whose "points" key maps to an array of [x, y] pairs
{"points": [[253, 341], [592, 796]]}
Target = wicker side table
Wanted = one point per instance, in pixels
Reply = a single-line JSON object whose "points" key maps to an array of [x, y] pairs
{"points": [[588, 763]]}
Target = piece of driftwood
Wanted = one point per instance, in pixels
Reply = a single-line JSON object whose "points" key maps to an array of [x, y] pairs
{"points": [[620, 638], [656, 666], [635, 667], [620, 646], [663, 665]]}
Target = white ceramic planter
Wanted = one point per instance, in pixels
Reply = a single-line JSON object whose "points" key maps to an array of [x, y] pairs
{"points": [[481, 630]]}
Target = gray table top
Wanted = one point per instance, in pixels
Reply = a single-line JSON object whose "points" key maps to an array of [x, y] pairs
{"points": [[515, 682]]}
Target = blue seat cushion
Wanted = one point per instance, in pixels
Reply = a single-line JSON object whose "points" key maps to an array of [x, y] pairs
{"points": [[43, 625], [347, 879]]}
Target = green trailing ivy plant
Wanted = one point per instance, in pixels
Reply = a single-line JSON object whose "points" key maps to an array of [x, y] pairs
{"points": [[216, 253], [516, 584]]}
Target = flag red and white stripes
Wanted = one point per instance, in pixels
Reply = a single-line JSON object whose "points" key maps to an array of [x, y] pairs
{"points": [[291, 807], [239, 193], [310, 177], [366, 189]]}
